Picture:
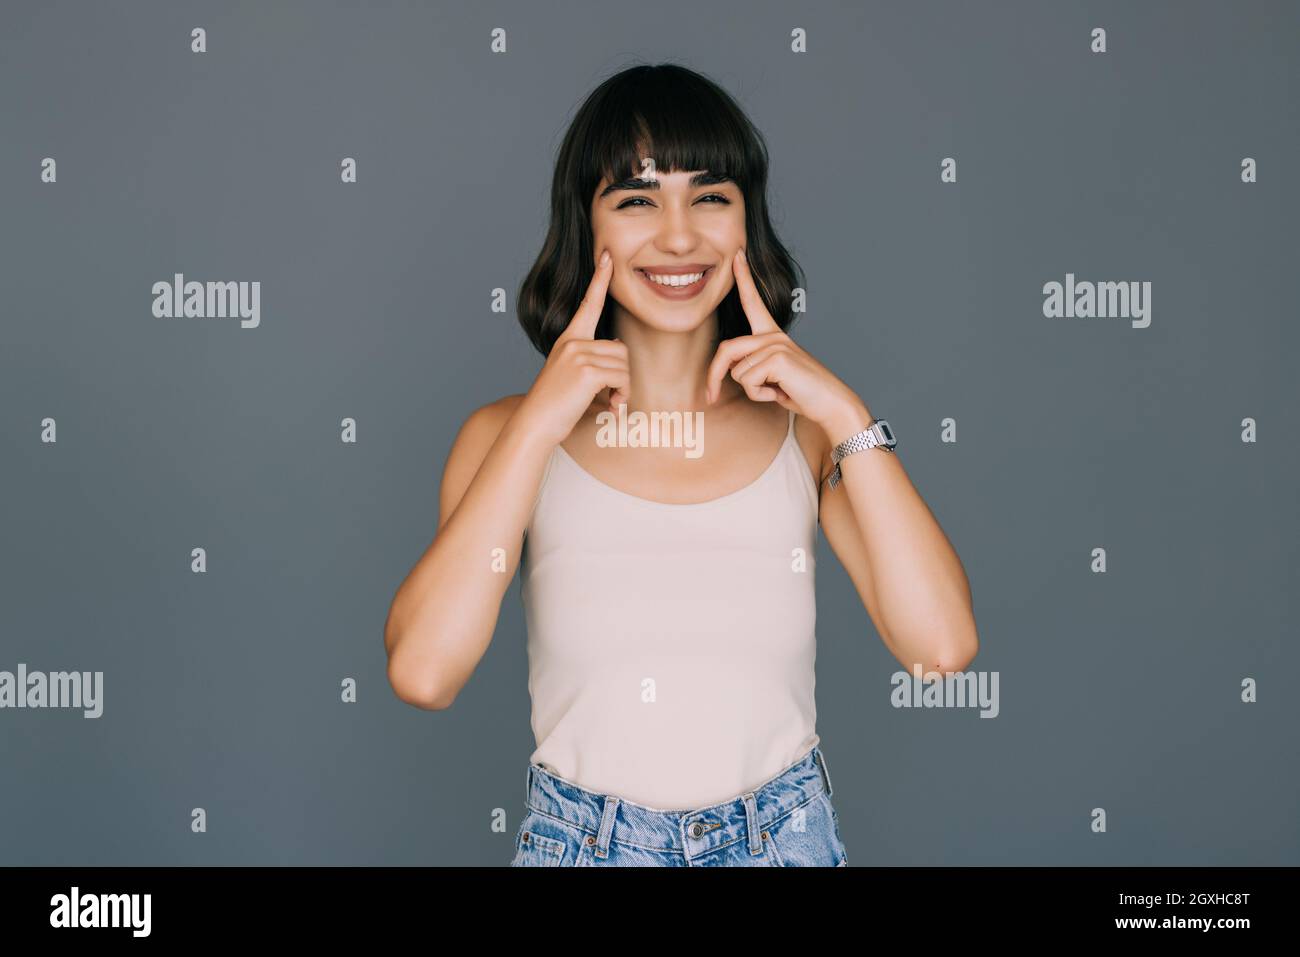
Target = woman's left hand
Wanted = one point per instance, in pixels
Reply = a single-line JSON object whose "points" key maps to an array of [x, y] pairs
{"points": [[772, 368]]}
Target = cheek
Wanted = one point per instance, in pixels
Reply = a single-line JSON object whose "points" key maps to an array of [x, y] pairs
{"points": [[728, 238], [624, 282], [734, 226], [603, 237]]}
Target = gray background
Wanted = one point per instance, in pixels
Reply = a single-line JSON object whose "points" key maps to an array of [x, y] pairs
{"points": [[1119, 690]]}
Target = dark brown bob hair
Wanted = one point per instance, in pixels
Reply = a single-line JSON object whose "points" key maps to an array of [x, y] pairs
{"points": [[686, 122]]}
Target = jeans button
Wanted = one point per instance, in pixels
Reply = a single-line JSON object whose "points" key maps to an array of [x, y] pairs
{"points": [[697, 829]]}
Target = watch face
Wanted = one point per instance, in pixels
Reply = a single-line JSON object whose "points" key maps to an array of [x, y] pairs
{"points": [[886, 432]]}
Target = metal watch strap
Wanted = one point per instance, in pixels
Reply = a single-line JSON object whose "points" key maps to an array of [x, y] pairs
{"points": [[877, 435]]}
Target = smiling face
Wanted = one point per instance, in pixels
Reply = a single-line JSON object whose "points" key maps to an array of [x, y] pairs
{"points": [[672, 239]]}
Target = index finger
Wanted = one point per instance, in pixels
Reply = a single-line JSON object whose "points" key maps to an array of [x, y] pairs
{"points": [[584, 321], [760, 320]]}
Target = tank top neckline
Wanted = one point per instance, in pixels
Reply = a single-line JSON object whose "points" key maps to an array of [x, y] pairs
{"points": [[680, 506]]}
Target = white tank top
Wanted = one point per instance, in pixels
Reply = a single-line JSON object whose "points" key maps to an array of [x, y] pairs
{"points": [[671, 647]]}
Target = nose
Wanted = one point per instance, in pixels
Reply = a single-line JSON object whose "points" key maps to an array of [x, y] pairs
{"points": [[676, 232]]}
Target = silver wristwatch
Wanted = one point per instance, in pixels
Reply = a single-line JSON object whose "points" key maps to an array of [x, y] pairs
{"points": [[878, 435]]}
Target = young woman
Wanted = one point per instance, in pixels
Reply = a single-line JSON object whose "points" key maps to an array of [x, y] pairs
{"points": [[668, 587]]}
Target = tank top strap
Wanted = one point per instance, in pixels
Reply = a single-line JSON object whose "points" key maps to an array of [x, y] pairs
{"points": [[802, 466]]}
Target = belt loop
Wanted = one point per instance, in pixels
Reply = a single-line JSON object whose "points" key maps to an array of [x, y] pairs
{"points": [[826, 775], [606, 826], [751, 823]]}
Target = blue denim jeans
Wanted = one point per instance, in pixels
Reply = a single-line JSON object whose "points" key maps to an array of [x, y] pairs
{"points": [[786, 822]]}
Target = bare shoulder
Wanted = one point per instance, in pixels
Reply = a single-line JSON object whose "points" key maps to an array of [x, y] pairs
{"points": [[475, 438], [486, 421]]}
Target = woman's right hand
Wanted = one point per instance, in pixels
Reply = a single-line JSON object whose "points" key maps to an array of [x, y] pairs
{"points": [[578, 367]]}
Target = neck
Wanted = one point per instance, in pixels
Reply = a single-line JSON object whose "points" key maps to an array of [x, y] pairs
{"points": [[669, 370]]}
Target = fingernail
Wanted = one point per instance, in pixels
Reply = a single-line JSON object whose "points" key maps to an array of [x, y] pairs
{"points": [[604, 257]]}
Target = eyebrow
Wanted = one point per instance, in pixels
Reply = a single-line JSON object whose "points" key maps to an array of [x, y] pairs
{"points": [[699, 179]]}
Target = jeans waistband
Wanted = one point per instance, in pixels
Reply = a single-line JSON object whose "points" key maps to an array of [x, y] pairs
{"points": [[690, 831]]}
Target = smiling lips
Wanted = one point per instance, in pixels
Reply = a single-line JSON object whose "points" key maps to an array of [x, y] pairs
{"points": [[676, 282]]}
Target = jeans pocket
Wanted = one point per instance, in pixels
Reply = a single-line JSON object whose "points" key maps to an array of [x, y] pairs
{"points": [[835, 830], [807, 837], [536, 849]]}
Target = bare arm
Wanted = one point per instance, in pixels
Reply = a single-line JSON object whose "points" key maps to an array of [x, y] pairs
{"points": [[902, 564], [445, 612], [904, 567]]}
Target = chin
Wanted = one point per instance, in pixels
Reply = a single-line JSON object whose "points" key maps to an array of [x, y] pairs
{"points": [[681, 319]]}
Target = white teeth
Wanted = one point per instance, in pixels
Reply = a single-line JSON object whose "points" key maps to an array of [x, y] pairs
{"points": [[684, 280]]}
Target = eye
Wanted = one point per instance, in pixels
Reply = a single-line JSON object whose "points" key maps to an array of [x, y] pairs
{"points": [[641, 200]]}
